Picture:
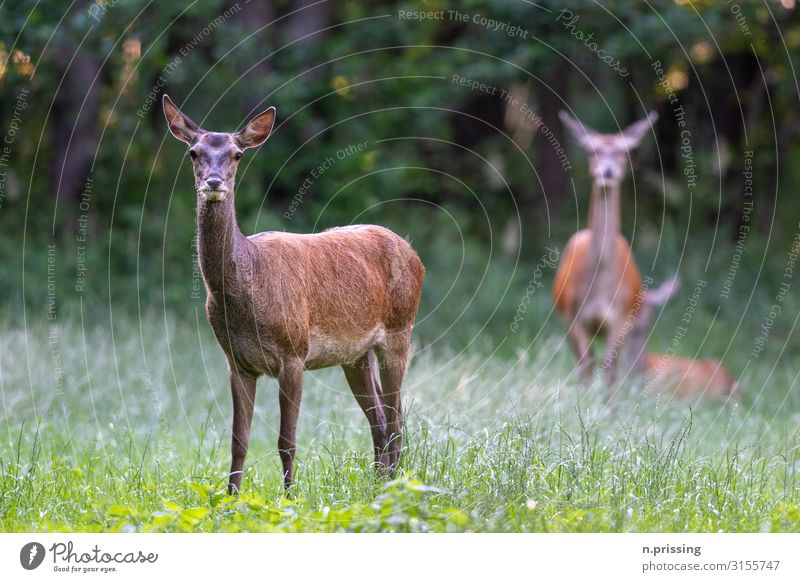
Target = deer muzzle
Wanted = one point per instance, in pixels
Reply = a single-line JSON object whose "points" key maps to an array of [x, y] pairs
{"points": [[210, 195]]}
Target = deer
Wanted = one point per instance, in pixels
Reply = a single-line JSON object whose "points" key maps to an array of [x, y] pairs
{"points": [[667, 373], [597, 280], [280, 303]]}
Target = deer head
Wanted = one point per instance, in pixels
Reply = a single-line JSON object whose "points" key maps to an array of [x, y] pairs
{"points": [[636, 341], [608, 152], [215, 156]]}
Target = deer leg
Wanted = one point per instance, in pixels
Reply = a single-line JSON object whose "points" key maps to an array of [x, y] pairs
{"points": [[614, 344], [290, 393], [393, 359], [243, 391], [580, 343], [361, 376]]}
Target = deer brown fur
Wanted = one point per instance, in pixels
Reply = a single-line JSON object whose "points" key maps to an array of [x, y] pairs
{"points": [[687, 378], [597, 281], [282, 303], [668, 373]]}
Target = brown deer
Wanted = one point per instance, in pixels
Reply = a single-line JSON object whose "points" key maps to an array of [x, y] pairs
{"points": [[282, 303], [597, 280], [683, 377]]}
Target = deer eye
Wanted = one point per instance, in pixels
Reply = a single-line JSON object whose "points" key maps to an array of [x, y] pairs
{"points": [[193, 154], [237, 156]]}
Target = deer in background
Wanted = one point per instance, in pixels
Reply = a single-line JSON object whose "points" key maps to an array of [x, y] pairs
{"points": [[597, 281], [683, 377], [282, 303]]}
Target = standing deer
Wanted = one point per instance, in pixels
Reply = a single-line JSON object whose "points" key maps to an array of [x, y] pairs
{"points": [[282, 303], [597, 281], [683, 377]]}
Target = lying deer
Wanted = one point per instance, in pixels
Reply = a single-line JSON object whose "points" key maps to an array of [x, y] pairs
{"points": [[282, 303], [597, 280], [682, 377]]}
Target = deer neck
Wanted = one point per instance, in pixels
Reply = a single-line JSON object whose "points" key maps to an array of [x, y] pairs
{"points": [[604, 223], [222, 247]]}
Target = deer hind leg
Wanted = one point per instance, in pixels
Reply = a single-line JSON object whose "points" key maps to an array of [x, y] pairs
{"points": [[363, 380], [243, 391], [290, 393], [580, 342], [393, 357]]}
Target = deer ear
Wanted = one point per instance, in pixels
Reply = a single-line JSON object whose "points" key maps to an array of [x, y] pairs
{"points": [[634, 133], [257, 130], [661, 294], [582, 133], [179, 124]]}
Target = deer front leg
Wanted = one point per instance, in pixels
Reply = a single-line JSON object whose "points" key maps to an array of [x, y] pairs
{"points": [[290, 394], [243, 391], [614, 344], [581, 345]]}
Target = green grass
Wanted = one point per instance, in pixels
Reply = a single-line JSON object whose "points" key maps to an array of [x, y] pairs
{"points": [[135, 437]]}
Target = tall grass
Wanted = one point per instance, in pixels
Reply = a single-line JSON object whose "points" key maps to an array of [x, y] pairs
{"points": [[134, 436]]}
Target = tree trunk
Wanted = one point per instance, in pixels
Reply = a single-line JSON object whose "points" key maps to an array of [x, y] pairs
{"points": [[74, 127], [551, 172]]}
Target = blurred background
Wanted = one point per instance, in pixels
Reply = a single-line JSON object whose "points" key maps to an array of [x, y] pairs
{"points": [[462, 150]]}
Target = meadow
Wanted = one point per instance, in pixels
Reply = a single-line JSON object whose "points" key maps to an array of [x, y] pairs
{"points": [[125, 427]]}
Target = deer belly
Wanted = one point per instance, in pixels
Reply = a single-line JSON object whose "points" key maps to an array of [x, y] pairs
{"points": [[327, 349], [597, 315]]}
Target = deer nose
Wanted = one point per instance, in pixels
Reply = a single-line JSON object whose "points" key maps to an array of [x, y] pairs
{"points": [[608, 173], [214, 183]]}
